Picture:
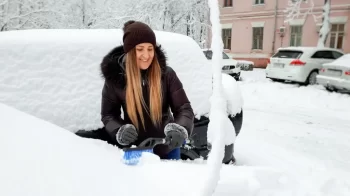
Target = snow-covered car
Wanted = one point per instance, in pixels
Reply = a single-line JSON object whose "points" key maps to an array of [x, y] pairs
{"points": [[245, 65], [336, 75], [230, 66], [299, 64], [55, 75]]}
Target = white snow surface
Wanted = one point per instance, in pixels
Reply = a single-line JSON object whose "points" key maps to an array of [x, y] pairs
{"points": [[55, 74], [343, 61], [294, 141]]}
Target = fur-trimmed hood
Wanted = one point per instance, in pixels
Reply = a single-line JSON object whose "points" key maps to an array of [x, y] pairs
{"points": [[113, 64]]}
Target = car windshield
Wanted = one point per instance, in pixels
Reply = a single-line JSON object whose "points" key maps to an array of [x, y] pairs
{"points": [[288, 54], [209, 55]]}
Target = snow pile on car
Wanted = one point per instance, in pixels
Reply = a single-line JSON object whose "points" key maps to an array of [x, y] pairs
{"points": [[55, 75]]}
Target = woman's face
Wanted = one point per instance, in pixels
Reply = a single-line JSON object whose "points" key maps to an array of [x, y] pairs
{"points": [[144, 55]]}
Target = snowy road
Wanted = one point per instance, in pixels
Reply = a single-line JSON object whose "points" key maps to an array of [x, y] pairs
{"points": [[301, 129]]}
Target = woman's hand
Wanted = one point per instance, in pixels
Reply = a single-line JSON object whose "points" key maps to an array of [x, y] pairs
{"points": [[176, 134], [127, 135]]}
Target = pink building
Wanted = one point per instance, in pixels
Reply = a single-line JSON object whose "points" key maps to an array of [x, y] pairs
{"points": [[254, 29]]}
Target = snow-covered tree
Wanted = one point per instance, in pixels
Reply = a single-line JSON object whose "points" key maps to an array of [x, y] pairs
{"points": [[294, 11], [189, 17], [22, 14], [324, 31]]}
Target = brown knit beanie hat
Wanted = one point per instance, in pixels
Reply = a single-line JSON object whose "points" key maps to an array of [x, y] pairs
{"points": [[136, 33]]}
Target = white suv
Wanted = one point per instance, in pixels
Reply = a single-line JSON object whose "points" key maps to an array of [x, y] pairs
{"points": [[300, 64], [230, 66]]}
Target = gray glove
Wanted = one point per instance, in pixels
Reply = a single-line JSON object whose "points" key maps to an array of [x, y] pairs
{"points": [[127, 134], [176, 134]]}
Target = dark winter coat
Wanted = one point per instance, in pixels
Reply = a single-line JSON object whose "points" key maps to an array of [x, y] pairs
{"points": [[113, 99]]}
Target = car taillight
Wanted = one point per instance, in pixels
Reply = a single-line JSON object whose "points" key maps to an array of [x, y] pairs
{"points": [[297, 62], [323, 70], [347, 73], [268, 61]]}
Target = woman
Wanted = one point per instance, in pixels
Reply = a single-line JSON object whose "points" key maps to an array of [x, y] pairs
{"points": [[138, 80]]}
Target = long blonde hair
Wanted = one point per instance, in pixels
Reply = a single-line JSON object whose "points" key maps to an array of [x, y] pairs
{"points": [[134, 97]]}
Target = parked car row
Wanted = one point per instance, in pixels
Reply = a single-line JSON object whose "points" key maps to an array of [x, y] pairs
{"points": [[230, 66], [336, 75], [245, 65], [311, 65]]}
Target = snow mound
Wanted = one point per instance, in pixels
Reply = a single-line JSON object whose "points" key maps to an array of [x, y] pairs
{"points": [[44, 159], [54, 74], [39, 158], [232, 93]]}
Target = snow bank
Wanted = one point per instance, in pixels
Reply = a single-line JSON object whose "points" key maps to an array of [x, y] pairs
{"points": [[232, 93], [260, 92], [40, 159], [303, 130], [308, 120], [54, 74], [44, 159]]}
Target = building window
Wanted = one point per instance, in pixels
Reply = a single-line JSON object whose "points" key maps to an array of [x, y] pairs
{"points": [[337, 36], [296, 33], [226, 38], [258, 36], [257, 2], [227, 3]]}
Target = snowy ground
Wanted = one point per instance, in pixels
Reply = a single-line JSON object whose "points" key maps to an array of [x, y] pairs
{"points": [[294, 141], [303, 130]]}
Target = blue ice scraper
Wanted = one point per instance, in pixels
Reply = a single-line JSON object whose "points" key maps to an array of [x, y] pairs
{"points": [[132, 155]]}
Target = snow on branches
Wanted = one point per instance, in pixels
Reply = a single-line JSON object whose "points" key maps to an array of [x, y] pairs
{"points": [[300, 9]]}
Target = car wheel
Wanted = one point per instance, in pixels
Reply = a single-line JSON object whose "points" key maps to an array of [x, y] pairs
{"points": [[312, 80]]}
